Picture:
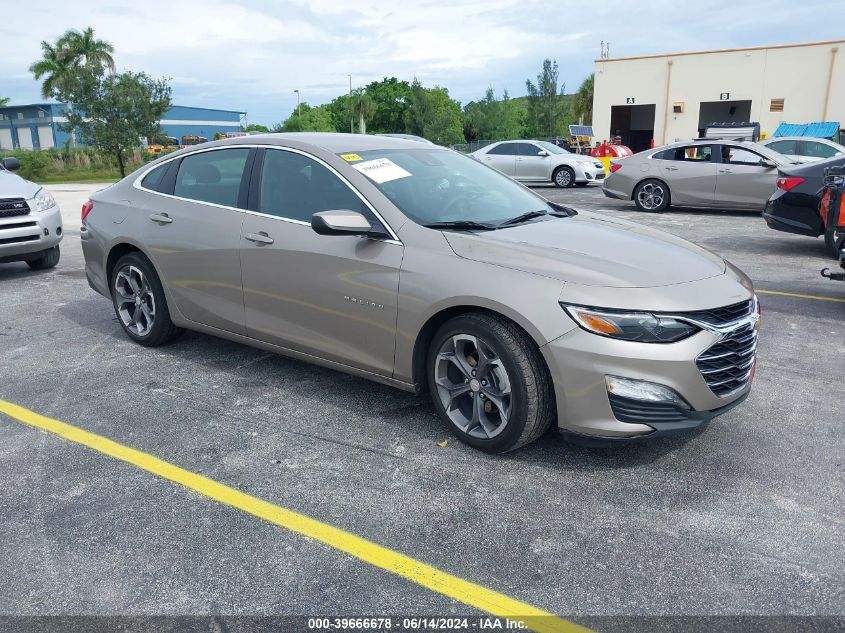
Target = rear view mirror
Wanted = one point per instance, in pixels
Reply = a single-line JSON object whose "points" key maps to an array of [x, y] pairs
{"points": [[11, 163], [765, 162], [340, 222]]}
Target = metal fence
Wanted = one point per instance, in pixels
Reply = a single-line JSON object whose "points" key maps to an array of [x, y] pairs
{"points": [[470, 147]]}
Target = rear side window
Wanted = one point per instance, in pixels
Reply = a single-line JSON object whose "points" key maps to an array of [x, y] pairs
{"points": [[507, 149], [212, 176], [296, 187], [155, 179], [688, 153], [784, 147]]}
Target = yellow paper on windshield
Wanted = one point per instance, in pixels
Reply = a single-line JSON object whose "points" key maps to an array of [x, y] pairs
{"points": [[350, 157]]}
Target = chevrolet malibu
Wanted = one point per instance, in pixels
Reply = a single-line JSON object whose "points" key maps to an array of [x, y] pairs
{"points": [[418, 267]]}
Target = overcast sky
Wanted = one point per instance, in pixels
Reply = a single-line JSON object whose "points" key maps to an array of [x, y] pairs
{"points": [[251, 54]]}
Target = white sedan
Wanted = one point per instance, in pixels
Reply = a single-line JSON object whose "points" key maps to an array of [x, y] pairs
{"points": [[804, 149], [541, 161]]}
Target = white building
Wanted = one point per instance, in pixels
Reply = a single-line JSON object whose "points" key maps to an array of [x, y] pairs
{"points": [[674, 96]]}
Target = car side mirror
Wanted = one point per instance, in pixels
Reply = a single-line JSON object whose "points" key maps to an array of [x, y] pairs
{"points": [[11, 164], [543, 153], [340, 222], [768, 163]]}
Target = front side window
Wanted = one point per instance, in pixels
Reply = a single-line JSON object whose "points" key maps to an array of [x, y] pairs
{"points": [[819, 150], [552, 148], [734, 155], [212, 176], [689, 153], [788, 148], [296, 187], [438, 185]]}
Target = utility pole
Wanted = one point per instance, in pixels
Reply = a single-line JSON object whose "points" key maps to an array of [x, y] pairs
{"points": [[298, 118], [351, 122]]}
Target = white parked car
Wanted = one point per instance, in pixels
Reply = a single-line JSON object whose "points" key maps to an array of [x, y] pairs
{"points": [[540, 161], [804, 149], [30, 220]]}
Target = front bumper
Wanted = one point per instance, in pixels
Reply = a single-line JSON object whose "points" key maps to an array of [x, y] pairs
{"points": [[579, 362], [22, 237], [589, 173]]}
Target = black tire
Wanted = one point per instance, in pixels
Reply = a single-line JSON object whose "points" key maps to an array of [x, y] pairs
{"points": [[581, 184], [563, 177], [532, 402], [162, 329], [645, 196], [834, 247], [48, 259]]}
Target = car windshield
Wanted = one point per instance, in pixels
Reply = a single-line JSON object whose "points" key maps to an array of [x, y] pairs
{"points": [[436, 185], [552, 148]]}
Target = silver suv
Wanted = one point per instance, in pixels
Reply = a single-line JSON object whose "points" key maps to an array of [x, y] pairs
{"points": [[30, 220], [419, 267]]}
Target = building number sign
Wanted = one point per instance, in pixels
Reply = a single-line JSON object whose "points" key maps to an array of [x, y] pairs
{"points": [[629, 100], [724, 96]]}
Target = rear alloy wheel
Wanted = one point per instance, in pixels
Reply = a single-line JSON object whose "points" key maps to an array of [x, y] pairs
{"points": [[139, 302], [652, 196], [564, 177], [489, 382], [834, 246], [48, 259]]}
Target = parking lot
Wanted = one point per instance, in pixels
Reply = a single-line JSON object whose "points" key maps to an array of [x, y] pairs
{"points": [[743, 518]]}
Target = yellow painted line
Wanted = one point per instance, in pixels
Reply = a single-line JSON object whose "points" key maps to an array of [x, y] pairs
{"points": [[799, 295], [487, 600]]}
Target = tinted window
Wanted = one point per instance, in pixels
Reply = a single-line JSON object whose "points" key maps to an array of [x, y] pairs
{"points": [[818, 150], [212, 176], [734, 155], [296, 187], [688, 153], [784, 147], [527, 149], [155, 179], [552, 148], [508, 149]]}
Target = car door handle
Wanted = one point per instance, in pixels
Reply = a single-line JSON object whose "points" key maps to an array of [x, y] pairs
{"points": [[671, 169], [161, 218], [260, 238], [725, 171]]}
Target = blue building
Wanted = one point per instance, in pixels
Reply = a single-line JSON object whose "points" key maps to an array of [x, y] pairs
{"points": [[36, 126]]}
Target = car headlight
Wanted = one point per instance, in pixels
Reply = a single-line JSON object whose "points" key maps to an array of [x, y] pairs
{"points": [[42, 201], [584, 163], [641, 327]]}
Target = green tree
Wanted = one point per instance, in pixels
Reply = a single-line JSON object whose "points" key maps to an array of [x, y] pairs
{"points": [[547, 109], [392, 99], [309, 119], [3, 101], [61, 62], [86, 50], [255, 127], [582, 103], [363, 107], [340, 113], [115, 111], [434, 115], [54, 68], [494, 119]]}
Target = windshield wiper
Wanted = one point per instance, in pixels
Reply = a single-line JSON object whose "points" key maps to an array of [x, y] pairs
{"points": [[460, 225], [522, 218]]}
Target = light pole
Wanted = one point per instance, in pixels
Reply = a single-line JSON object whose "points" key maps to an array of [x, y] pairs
{"points": [[298, 119], [351, 122]]}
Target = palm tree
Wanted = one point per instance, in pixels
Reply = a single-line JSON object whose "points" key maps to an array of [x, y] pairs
{"points": [[583, 102], [3, 101], [54, 66], [86, 50], [362, 106]]}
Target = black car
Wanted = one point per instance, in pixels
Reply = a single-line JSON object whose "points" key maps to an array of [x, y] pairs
{"points": [[794, 206]]}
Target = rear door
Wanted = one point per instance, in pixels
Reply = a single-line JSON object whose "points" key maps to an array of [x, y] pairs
{"points": [[192, 228], [503, 158], [331, 296], [690, 173], [743, 181], [530, 165]]}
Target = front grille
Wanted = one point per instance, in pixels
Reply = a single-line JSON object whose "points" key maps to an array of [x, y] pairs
{"points": [[11, 207], [723, 316], [17, 240], [727, 364]]}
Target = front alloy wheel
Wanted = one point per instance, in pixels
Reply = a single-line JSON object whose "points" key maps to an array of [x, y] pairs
{"points": [[473, 386], [651, 195], [134, 300]]}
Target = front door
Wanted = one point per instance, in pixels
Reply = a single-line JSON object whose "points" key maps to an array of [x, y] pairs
{"points": [[334, 297], [742, 181], [690, 172], [530, 165], [193, 237]]}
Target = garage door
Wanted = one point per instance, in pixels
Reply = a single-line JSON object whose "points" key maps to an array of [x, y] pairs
{"points": [[5, 138], [24, 137], [45, 137]]}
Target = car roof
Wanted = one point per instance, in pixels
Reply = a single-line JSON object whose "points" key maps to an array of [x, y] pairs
{"points": [[798, 138], [333, 142]]}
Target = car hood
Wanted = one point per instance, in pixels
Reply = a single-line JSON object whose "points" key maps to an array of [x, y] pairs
{"points": [[592, 250], [13, 186]]}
